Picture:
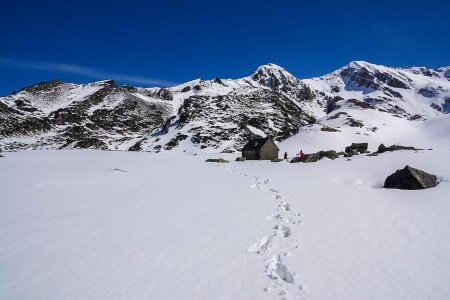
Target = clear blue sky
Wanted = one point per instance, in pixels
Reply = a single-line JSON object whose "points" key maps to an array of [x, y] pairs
{"points": [[158, 43]]}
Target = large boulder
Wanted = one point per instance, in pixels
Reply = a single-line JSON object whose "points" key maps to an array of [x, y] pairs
{"points": [[410, 178], [382, 148], [313, 157], [356, 148]]}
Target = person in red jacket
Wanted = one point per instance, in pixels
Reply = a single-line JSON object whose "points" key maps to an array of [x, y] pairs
{"points": [[301, 154]]}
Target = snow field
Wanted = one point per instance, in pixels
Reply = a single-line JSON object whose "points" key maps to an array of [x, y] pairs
{"points": [[96, 224]]}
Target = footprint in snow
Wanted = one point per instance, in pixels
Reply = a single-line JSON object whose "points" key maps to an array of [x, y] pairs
{"points": [[274, 190], [260, 246], [278, 271], [282, 230], [285, 206], [277, 197], [256, 186]]}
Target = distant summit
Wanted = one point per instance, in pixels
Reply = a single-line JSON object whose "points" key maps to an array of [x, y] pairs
{"points": [[274, 76]]}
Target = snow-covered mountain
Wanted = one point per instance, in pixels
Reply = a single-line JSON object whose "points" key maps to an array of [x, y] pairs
{"points": [[406, 92], [116, 224], [220, 114]]}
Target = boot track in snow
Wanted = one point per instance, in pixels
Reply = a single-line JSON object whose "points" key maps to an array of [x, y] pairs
{"points": [[280, 243]]}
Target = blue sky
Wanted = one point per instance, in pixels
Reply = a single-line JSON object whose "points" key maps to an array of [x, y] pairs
{"points": [[160, 43]]}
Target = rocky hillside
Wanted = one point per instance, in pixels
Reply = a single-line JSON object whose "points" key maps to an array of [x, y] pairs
{"points": [[66, 115], [219, 114], [405, 92]]}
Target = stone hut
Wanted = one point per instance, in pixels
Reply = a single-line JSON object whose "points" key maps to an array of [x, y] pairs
{"points": [[260, 149]]}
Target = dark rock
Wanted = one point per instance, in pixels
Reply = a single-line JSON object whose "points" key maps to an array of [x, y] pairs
{"points": [[337, 115], [361, 77], [217, 160], [436, 106], [20, 103], [76, 132], [415, 117], [428, 92], [410, 179], [313, 157], [305, 93], [277, 160], [360, 104], [335, 89], [391, 80], [382, 148], [137, 146], [217, 80], [329, 129], [393, 93], [26, 126], [240, 158], [332, 103], [165, 94], [91, 143], [446, 105], [354, 123], [356, 148], [186, 89], [426, 72], [43, 86], [175, 141]]}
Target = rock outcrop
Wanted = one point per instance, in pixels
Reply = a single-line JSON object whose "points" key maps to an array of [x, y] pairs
{"points": [[355, 149], [382, 148], [410, 178], [313, 157]]}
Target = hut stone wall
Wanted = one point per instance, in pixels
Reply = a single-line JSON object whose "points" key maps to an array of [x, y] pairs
{"points": [[260, 149], [249, 154], [269, 150]]}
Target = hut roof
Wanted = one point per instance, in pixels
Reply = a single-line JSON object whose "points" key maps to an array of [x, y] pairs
{"points": [[255, 144]]}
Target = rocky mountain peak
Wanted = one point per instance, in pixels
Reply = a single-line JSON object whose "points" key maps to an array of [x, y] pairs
{"points": [[42, 86], [358, 64], [108, 82], [274, 76], [361, 74]]}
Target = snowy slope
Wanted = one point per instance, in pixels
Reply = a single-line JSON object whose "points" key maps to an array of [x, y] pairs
{"points": [[94, 224]]}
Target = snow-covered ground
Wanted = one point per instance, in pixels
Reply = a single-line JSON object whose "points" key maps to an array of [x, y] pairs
{"points": [[110, 225], [102, 224]]}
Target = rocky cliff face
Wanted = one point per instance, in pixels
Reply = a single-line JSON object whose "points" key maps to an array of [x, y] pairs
{"points": [[218, 114]]}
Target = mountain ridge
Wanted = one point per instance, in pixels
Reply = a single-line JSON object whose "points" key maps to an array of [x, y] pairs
{"points": [[217, 114]]}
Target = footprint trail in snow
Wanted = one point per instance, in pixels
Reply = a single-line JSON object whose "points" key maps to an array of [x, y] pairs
{"points": [[280, 243]]}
